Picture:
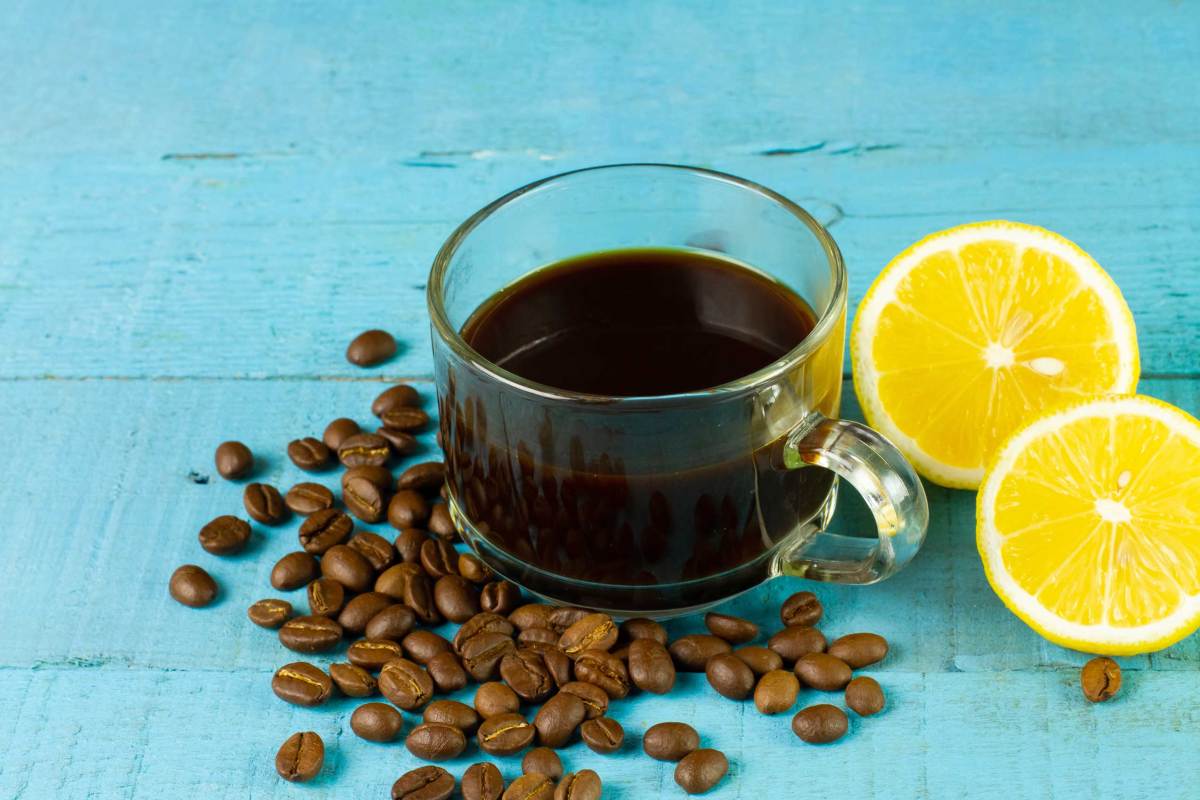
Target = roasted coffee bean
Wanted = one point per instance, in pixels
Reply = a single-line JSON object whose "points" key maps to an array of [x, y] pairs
{"points": [[377, 550], [494, 698], [605, 670], [192, 586], [439, 558], [530, 786], [394, 580], [326, 597], [436, 741], [308, 453], [622, 653], [557, 720], [483, 622], [499, 597], [701, 770], [401, 442], [582, 785], [555, 660], [418, 595], [542, 635], [760, 660], [380, 477], [504, 734], [455, 598], [394, 622], [363, 499], [823, 671], [693, 651], [234, 460], [395, 397], [324, 529], [422, 646], [526, 673], [370, 348], [354, 681], [642, 628], [264, 503], [595, 699], [482, 781], [347, 567], [424, 783], [602, 735], [311, 634], [864, 696], [776, 692], [372, 654], [542, 761], [734, 630], [447, 672], [407, 509], [269, 613], [364, 449], [301, 757], [361, 610], [308, 498], [225, 535], [471, 568], [339, 431], [859, 649], [820, 724], [670, 741], [376, 722], [589, 632], [405, 684], [650, 666], [440, 523], [452, 712], [293, 571], [405, 418], [730, 676], [426, 477], [409, 543], [1100, 679], [302, 684], [794, 643], [563, 617], [802, 609], [531, 615]]}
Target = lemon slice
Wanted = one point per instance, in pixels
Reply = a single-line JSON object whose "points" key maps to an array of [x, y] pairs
{"points": [[968, 331], [1089, 525]]}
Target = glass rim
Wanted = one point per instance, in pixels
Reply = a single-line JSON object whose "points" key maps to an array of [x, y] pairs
{"points": [[827, 318]]}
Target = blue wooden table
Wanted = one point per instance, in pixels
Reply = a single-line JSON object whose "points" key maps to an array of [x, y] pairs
{"points": [[200, 203]]}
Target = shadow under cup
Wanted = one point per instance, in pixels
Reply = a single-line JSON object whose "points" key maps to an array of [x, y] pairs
{"points": [[637, 505]]}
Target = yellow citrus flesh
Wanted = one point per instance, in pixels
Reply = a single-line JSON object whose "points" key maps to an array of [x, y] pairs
{"points": [[971, 330], [1089, 525]]}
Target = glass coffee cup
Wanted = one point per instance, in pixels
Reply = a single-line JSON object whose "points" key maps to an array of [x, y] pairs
{"points": [[660, 504]]}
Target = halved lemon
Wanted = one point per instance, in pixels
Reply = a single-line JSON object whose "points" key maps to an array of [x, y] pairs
{"points": [[969, 331], [1089, 525]]}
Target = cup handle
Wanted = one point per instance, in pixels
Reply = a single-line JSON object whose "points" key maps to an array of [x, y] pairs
{"points": [[888, 484]]}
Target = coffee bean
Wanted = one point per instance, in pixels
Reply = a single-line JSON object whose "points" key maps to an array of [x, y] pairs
{"points": [[439, 558], [234, 460], [525, 672], [504, 734], [734, 630], [499, 597], [324, 529], [447, 672], [394, 397], [264, 503], [563, 617], [376, 722], [363, 499], [455, 598], [311, 634], [642, 628], [394, 622], [339, 431], [440, 523], [701, 770], [409, 543], [436, 741], [541, 635], [650, 666], [361, 610], [542, 761], [670, 741], [424, 783], [352, 680], [301, 684], [405, 684], [372, 654], [422, 646], [494, 698], [402, 443], [407, 509], [482, 781], [326, 597], [293, 571], [823, 671], [589, 632], [225, 535], [380, 477], [557, 720], [760, 660], [452, 712], [405, 418], [693, 651], [377, 550], [426, 477], [1100, 680], [308, 453], [859, 649], [820, 724], [602, 735], [395, 579], [308, 498], [192, 586], [802, 609], [730, 676], [795, 642], [370, 348], [582, 785], [471, 568], [555, 660], [347, 567], [530, 786], [301, 757], [531, 615], [364, 449], [269, 613], [605, 670], [418, 595], [776, 692], [864, 696], [595, 699]]}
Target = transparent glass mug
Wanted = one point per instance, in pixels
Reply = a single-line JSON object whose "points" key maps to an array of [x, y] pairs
{"points": [[563, 493]]}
